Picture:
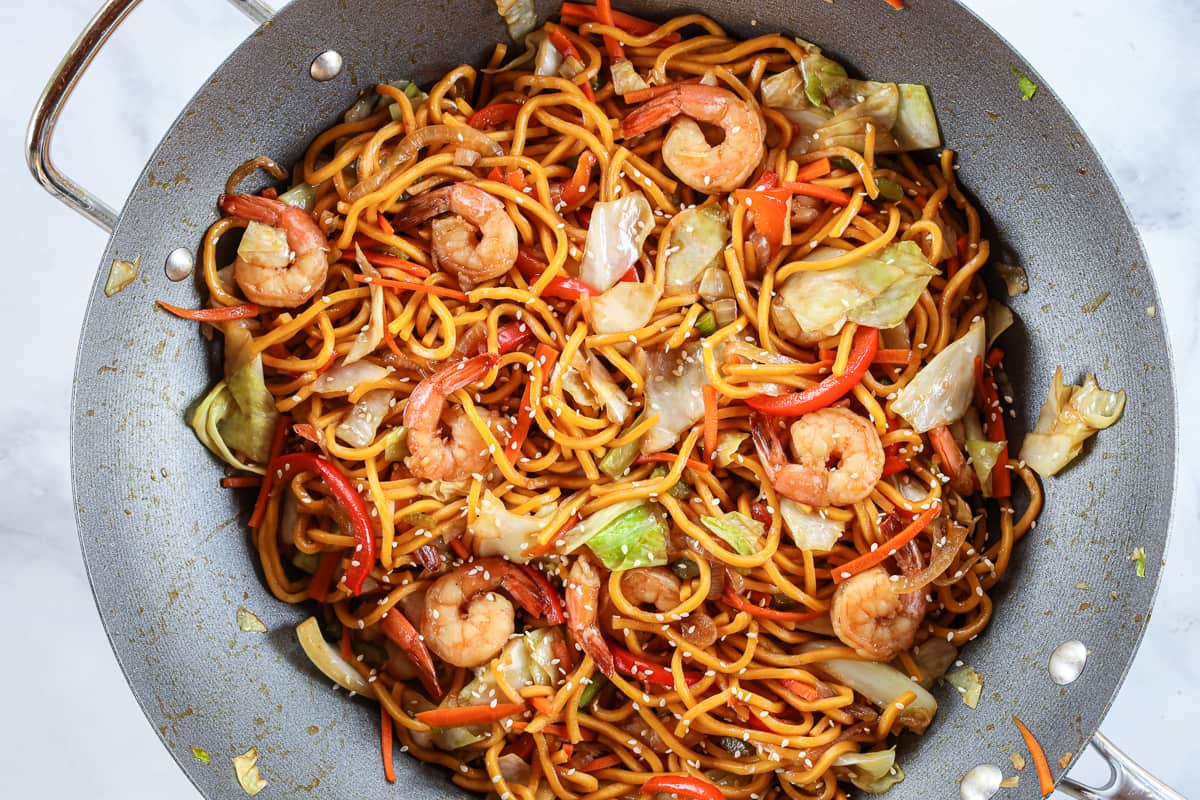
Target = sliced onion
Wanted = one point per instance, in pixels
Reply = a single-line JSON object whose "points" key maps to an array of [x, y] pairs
{"points": [[465, 157], [417, 141], [514, 769], [946, 544], [344, 377], [328, 660], [366, 341]]}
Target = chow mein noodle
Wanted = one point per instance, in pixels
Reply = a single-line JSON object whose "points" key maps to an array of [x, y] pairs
{"points": [[627, 409]]}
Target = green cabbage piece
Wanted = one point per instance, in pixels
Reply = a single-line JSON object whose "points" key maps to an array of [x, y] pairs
{"points": [[876, 290], [739, 531], [1068, 417], [984, 456], [245, 767], [941, 392], [696, 244], [728, 443], [874, 772], [916, 126], [819, 72], [968, 682], [810, 531], [636, 538]]}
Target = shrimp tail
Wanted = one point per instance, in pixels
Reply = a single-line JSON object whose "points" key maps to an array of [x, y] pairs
{"points": [[653, 114], [594, 644], [526, 591], [397, 628], [464, 373], [420, 209], [252, 207], [766, 442]]}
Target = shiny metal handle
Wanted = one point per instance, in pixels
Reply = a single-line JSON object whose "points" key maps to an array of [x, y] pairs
{"points": [[1127, 782], [59, 88]]}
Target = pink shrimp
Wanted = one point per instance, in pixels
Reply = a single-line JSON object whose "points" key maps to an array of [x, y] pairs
{"points": [[281, 277], [465, 453], [473, 257], [583, 604]]}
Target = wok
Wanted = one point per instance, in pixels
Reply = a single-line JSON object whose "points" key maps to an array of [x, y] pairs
{"points": [[166, 551]]}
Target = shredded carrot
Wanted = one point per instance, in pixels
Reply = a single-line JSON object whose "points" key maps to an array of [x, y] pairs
{"points": [[243, 311], [895, 3], [817, 169], [1045, 779], [651, 92], [575, 190], [241, 482], [468, 715], [385, 738], [409, 286], [948, 450], [545, 356], [669, 458], [385, 224], [268, 484], [577, 14], [742, 604], [804, 691], [548, 547], [318, 584], [897, 357], [346, 650], [460, 549], [994, 357], [605, 14], [603, 762], [835, 196], [555, 729], [384, 260], [710, 422], [868, 560], [516, 179], [541, 705]]}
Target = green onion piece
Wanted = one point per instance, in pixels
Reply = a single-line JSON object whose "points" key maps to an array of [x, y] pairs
{"points": [[685, 568], [617, 460], [890, 189], [201, 755], [1028, 88], [248, 621], [597, 682], [735, 746], [679, 491], [1139, 561], [783, 602], [841, 162], [706, 323], [419, 519]]}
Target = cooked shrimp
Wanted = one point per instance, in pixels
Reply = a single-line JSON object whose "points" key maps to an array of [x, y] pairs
{"points": [[478, 243], [583, 602], [876, 621], [467, 621], [660, 588], [704, 167], [819, 438], [276, 279], [465, 453]]}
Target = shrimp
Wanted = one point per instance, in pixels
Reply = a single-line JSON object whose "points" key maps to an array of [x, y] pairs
{"points": [[873, 619], [276, 279], [466, 621], [659, 587], [456, 246], [707, 168], [828, 435], [398, 629], [466, 453], [583, 600]]}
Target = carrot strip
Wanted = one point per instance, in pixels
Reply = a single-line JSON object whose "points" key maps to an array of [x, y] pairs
{"points": [[409, 286], [895, 3], [742, 604], [548, 547], [710, 422], [669, 458], [241, 482], [804, 691], [344, 645], [541, 705], [605, 14], [868, 560], [318, 585], [835, 196], [603, 762], [898, 357], [651, 92], [1045, 779], [460, 549], [385, 738], [384, 260], [626, 22], [268, 484], [545, 356], [468, 715], [223, 314], [817, 169], [948, 450]]}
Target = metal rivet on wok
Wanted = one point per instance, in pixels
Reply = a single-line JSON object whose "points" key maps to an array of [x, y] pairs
{"points": [[980, 782], [1067, 661], [327, 66], [180, 263]]}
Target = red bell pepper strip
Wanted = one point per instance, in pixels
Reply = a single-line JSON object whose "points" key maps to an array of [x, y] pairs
{"points": [[321, 581], [222, 314], [363, 558], [769, 211], [563, 287], [556, 615], [647, 671], [545, 356], [512, 336], [682, 786], [575, 190], [490, 116], [993, 416], [828, 391], [768, 180]]}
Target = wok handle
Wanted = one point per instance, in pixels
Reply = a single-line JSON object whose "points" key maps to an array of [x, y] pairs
{"points": [[1128, 781], [59, 88]]}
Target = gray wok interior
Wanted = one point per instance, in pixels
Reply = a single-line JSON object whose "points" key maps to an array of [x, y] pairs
{"points": [[169, 557]]}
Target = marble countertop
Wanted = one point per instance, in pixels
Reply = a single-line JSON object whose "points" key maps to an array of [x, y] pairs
{"points": [[1125, 70]]}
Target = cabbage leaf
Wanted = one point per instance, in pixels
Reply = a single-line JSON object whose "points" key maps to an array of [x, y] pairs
{"points": [[942, 391], [1068, 417]]}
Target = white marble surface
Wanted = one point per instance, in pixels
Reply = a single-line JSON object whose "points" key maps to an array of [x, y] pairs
{"points": [[71, 727]]}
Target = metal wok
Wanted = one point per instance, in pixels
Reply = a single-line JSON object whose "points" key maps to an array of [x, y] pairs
{"points": [[167, 554]]}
